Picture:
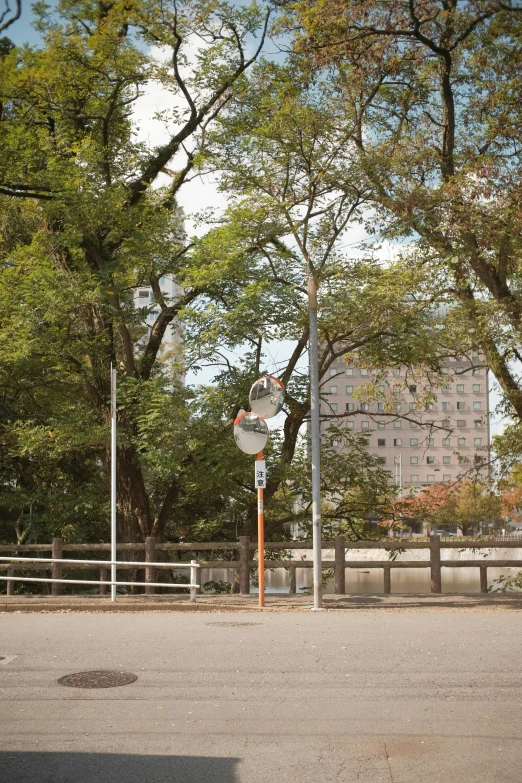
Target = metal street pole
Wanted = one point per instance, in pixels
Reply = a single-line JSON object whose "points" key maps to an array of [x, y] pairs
{"points": [[261, 540], [315, 433], [113, 482]]}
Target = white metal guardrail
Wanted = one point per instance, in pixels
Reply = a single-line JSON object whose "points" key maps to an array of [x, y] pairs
{"points": [[192, 585]]}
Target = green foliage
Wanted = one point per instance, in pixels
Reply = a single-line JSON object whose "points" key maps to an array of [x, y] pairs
{"points": [[217, 588], [430, 91]]}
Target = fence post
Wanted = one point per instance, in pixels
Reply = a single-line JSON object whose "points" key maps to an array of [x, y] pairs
{"points": [[150, 557], [483, 579], [340, 580], [193, 579], [244, 565], [10, 585], [293, 580], [104, 577], [387, 579], [436, 581], [57, 553]]}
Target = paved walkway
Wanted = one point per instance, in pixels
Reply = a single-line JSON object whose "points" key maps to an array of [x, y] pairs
{"points": [[274, 603], [324, 697]]}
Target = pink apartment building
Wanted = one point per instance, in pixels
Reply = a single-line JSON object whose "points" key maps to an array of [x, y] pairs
{"points": [[424, 434]]}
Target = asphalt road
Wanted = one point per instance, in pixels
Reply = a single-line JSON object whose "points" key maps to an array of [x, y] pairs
{"points": [[373, 697]]}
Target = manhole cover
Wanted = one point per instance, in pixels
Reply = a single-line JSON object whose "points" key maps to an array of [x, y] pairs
{"points": [[99, 679], [232, 625]]}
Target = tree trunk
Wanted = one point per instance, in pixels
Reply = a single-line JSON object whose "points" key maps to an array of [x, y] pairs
{"points": [[134, 518]]}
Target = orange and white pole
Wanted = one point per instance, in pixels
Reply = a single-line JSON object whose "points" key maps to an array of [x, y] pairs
{"points": [[261, 540]]}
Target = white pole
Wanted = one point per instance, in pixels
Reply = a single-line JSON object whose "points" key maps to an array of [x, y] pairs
{"points": [[113, 482], [193, 579], [315, 431]]}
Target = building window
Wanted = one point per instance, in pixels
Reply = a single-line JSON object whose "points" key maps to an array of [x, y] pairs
{"points": [[477, 423], [476, 371], [445, 387], [335, 443], [446, 442], [349, 425], [477, 441], [411, 406], [349, 389], [430, 441], [396, 372], [397, 424], [333, 389], [474, 354], [350, 406], [430, 478], [460, 406], [445, 422], [365, 406], [476, 387], [414, 425], [397, 441], [381, 460], [444, 370], [143, 294], [333, 406], [414, 442], [381, 388], [348, 371], [476, 405], [430, 422], [365, 441], [461, 441], [429, 406], [412, 388], [364, 371], [381, 425], [414, 460], [333, 371], [446, 460], [427, 387], [445, 406], [460, 387], [430, 460], [365, 425], [446, 477], [414, 479], [380, 406], [461, 422]]}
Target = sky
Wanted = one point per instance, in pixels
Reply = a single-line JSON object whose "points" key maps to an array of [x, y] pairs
{"points": [[202, 192]]}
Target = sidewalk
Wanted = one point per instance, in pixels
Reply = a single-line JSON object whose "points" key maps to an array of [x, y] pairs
{"points": [[274, 603]]}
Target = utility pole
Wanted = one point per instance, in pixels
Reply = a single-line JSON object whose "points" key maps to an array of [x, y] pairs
{"points": [[113, 483], [315, 432]]}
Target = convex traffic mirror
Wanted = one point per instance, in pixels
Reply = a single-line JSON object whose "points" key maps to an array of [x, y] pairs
{"points": [[250, 433], [267, 396]]}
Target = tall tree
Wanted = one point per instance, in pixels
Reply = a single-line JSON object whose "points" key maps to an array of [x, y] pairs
{"points": [[434, 86], [95, 225], [284, 151]]}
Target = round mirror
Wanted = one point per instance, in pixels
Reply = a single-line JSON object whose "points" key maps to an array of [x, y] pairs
{"points": [[250, 433], [267, 396]]}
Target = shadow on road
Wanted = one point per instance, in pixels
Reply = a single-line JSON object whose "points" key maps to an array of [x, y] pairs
{"points": [[21, 767]]}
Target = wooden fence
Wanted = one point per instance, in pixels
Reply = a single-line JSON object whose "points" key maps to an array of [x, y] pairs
{"points": [[244, 563]]}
